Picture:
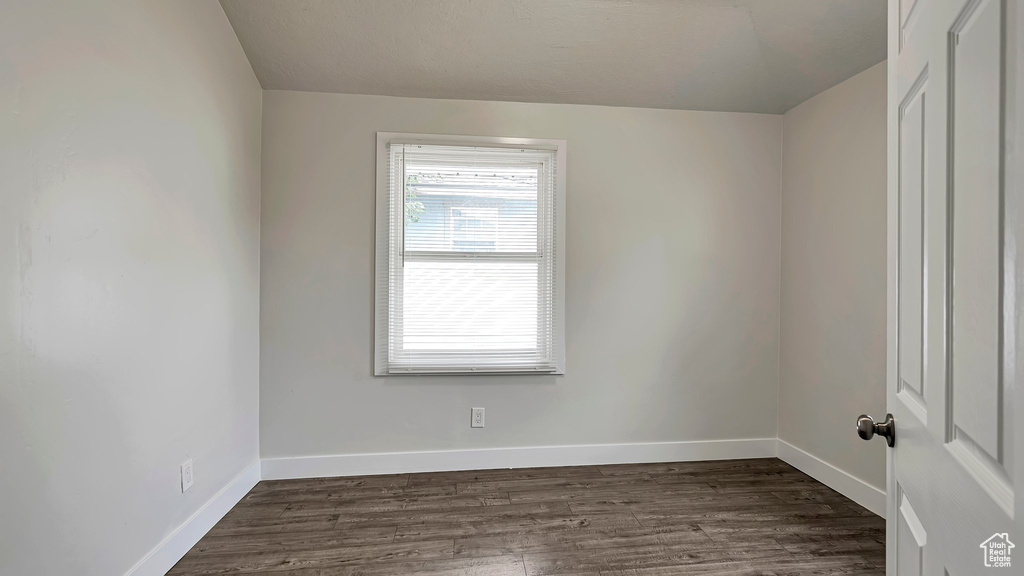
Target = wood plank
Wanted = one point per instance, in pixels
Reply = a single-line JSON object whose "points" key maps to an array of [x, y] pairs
{"points": [[647, 492], [274, 525], [852, 527], [576, 540], [322, 558], [619, 558], [287, 495], [470, 476], [561, 483], [691, 467], [836, 566], [515, 525], [497, 566], [381, 481], [678, 503], [294, 541], [440, 515]]}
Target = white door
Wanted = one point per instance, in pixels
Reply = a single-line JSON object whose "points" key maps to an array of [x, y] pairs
{"points": [[956, 287]]}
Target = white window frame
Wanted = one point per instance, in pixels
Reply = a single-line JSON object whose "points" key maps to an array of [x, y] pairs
{"points": [[383, 252]]}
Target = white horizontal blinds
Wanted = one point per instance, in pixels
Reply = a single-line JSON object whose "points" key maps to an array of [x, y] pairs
{"points": [[471, 275]]}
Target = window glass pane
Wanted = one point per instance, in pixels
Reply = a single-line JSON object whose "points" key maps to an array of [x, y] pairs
{"points": [[464, 208], [470, 305]]}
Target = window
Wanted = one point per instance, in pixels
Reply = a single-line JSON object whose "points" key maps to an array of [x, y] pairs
{"points": [[470, 235]]}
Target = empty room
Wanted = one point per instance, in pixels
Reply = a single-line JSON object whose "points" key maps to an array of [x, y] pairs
{"points": [[511, 287]]}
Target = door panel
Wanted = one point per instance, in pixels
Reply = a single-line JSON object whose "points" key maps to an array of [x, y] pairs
{"points": [[906, 6], [954, 245], [975, 78], [911, 538], [911, 200]]}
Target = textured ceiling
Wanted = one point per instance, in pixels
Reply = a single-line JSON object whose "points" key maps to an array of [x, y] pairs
{"points": [[737, 55]]}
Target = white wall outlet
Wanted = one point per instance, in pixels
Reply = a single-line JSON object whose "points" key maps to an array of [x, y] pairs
{"points": [[186, 475], [478, 418]]}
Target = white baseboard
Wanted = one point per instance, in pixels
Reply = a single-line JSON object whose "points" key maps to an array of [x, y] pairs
{"points": [[167, 553], [530, 457], [846, 484]]}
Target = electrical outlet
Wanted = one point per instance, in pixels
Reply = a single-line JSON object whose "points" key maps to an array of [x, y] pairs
{"points": [[186, 475], [478, 418]]}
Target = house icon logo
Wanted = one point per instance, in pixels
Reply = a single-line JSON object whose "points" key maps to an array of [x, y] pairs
{"points": [[997, 550]]}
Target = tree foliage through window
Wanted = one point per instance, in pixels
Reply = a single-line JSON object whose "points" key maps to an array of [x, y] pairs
{"points": [[413, 207]]}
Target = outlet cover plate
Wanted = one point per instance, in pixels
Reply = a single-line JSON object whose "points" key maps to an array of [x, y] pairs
{"points": [[186, 475], [477, 420]]}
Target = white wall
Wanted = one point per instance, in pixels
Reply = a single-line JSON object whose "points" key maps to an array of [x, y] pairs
{"points": [[832, 355], [672, 281], [129, 267]]}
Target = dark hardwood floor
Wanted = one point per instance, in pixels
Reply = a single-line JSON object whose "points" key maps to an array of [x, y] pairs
{"points": [[733, 517]]}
